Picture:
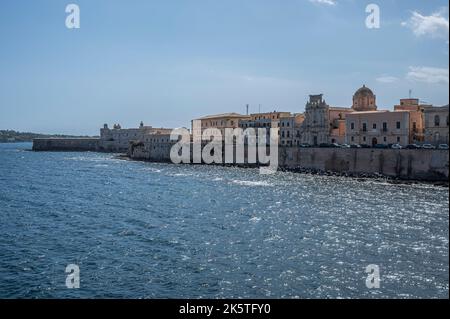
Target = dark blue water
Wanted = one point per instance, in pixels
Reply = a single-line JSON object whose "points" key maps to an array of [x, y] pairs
{"points": [[142, 230]]}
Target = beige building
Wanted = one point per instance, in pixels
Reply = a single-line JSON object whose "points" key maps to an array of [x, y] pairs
{"points": [[436, 125], [290, 128], [367, 125], [416, 118], [219, 121], [378, 127], [273, 116]]}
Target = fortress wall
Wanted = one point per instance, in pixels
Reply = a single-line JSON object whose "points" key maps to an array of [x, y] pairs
{"points": [[405, 164]]}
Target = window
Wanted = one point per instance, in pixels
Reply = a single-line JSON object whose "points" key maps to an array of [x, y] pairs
{"points": [[364, 138], [364, 127], [287, 133], [374, 126], [232, 123], [398, 139], [414, 127], [353, 138], [384, 126], [398, 125], [352, 126], [384, 139], [437, 120], [282, 134]]}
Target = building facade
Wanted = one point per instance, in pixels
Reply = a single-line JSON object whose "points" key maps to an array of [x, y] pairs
{"points": [[118, 139], [219, 121], [315, 129], [436, 125], [378, 127]]}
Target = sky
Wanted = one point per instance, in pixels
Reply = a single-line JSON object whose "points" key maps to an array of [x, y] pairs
{"points": [[167, 62]]}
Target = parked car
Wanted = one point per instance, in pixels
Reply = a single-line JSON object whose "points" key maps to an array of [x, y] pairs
{"points": [[304, 145], [365, 146], [335, 145], [345, 146], [324, 145], [381, 146], [412, 146], [396, 146], [443, 147], [428, 147], [355, 146]]}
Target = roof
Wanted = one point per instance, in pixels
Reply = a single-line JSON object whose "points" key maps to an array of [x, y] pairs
{"points": [[341, 108], [369, 112], [364, 90], [215, 116]]}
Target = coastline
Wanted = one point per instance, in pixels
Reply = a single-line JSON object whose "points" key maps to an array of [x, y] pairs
{"points": [[362, 177]]}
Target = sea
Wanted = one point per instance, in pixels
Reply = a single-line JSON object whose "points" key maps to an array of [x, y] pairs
{"points": [[152, 230]]}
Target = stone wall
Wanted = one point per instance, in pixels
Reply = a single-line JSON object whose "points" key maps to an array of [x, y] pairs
{"points": [[66, 144], [404, 164], [421, 164]]}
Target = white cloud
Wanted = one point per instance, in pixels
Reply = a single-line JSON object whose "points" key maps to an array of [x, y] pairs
{"points": [[387, 79], [427, 74], [326, 2], [435, 25]]}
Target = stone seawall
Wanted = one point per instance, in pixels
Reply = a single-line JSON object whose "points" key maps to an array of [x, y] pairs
{"points": [[429, 165], [425, 165], [66, 144]]}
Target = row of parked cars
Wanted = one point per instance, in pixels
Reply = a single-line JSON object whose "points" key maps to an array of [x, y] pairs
{"points": [[382, 146]]}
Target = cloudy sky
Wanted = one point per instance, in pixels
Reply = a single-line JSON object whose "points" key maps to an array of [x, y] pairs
{"points": [[166, 62]]}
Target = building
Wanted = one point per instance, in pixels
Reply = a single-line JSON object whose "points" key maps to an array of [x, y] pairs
{"points": [[436, 125], [416, 118], [336, 117], [273, 116], [322, 123], [290, 129], [367, 125], [315, 129], [118, 139], [364, 100], [270, 120], [219, 121], [378, 127]]}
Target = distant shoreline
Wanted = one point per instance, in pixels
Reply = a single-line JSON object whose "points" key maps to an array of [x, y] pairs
{"points": [[11, 136]]}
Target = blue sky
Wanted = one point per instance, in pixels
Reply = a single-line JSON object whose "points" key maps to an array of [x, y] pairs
{"points": [[166, 62]]}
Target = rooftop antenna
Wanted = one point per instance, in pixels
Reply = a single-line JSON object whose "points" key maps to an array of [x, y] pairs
{"points": [[259, 108], [247, 109], [410, 93]]}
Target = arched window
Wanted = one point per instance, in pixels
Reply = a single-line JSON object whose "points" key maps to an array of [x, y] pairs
{"points": [[437, 120]]}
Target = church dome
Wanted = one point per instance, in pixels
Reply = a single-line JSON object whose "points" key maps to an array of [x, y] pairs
{"points": [[365, 91], [364, 100]]}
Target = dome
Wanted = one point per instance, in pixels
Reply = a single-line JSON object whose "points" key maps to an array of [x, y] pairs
{"points": [[364, 91], [364, 100]]}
